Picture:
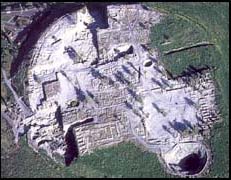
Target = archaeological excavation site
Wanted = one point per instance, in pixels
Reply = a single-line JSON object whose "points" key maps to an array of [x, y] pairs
{"points": [[94, 82]]}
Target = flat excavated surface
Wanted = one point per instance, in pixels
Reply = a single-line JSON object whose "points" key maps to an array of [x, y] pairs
{"points": [[99, 60]]}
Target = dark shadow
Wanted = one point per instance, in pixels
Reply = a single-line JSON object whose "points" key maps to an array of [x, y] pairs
{"points": [[85, 122], [96, 74], [122, 54], [164, 81], [153, 59], [142, 25], [58, 117], [169, 74], [148, 63], [213, 115], [99, 13], [188, 124], [90, 94], [73, 54], [80, 94], [178, 126], [71, 19], [144, 46], [185, 78], [134, 67], [193, 163], [110, 81], [166, 129], [157, 82], [30, 35], [157, 69], [128, 105], [189, 101], [3, 100], [191, 71], [120, 77], [43, 141], [156, 106], [44, 125], [199, 126], [137, 70], [145, 7], [199, 119], [132, 93], [72, 148], [139, 73], [189, 47], [195, 70]]}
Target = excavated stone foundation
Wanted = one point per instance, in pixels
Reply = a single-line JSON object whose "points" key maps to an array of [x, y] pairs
{"points": [[93, 82]]}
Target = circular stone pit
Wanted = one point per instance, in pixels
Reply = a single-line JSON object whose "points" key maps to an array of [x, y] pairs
{"points": [[187, 159]]}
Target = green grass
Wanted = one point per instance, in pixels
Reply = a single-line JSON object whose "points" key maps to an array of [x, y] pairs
{"points": [[177, 31], [191, 23], [122, 160], [24, 162], [125, 160], [188, 23]]}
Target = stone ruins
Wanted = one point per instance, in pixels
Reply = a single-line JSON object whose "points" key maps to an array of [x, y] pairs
{"points": [[94, 82]]}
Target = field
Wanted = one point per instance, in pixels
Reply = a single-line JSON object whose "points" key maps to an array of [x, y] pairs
{"points": [[123, 160], [188, 23]]}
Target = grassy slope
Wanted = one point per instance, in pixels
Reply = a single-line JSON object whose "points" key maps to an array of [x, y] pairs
{"points": [[126, 160], [123, 160], [190, 23]]}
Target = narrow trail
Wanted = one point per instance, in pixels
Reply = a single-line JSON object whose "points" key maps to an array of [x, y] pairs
{"points": [[26, 110], [200, 44]]}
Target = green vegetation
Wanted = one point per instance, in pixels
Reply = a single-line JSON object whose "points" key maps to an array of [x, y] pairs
{"points": [[123, 160], [24, 162], [8, 50], [176, 31], [19, 80], [189, 23]]}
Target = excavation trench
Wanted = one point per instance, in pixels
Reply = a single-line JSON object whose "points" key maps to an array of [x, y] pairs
{"points": [[193, 163]]}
